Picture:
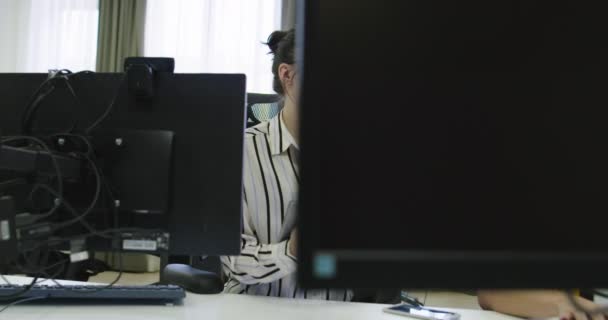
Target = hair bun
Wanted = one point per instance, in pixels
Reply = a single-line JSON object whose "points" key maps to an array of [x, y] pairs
{"points": [[275, 39]]}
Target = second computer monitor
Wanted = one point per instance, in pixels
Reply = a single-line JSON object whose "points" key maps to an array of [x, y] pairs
{"points": [[173, 161]]}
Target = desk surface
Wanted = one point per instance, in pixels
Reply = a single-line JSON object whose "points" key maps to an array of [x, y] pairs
{"points": [[437, 298], [224, 307]]}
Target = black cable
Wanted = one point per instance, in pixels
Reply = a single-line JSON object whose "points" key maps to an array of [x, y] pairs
{"points": [[16, 295], [34, 103], [93, 203], [57, 283], [68, 207], [53, 160], [6, 280], [86, 141], [109, 109], [42, 270], [115, 219], [77, 217], [600, 293], [100, 288], [115, 246], [115, 251], [100, 180], [16, 302], [59, 195], [49, 213], [28, 262], [66, 75], [80, 218]]}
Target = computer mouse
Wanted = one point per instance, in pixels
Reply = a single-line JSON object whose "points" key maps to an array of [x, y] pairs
{"points": [[192, 279]]}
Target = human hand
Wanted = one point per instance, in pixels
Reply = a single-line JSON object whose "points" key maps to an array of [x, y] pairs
{"points": [[568, 311]]}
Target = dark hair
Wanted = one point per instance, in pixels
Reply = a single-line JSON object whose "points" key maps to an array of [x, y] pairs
{"points": [[282, 46]]}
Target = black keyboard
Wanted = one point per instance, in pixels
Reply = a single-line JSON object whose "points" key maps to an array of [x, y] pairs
{"points": [[152, 293]]}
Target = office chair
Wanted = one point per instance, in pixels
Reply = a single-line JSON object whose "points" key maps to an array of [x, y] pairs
{"points": [[262, 107]]}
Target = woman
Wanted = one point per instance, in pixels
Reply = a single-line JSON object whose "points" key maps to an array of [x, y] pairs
{"points": [[267, 264]]}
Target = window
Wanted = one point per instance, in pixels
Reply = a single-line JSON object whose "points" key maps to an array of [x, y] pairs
{"points": [[215, 36], [38, 35]]}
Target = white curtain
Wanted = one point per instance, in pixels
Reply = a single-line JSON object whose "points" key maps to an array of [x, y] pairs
{"points": [[39, 35], [215, 36]]}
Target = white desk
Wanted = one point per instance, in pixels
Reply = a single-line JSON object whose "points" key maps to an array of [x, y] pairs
{"points": [[225, 307], [222, 307], [444, 299]]}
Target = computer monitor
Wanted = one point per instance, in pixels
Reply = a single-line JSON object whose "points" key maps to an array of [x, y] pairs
{"points": [[453, 144], [172, 161]]}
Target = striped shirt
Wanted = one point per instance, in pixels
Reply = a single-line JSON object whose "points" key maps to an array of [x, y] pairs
{"points": [[270, 181]]}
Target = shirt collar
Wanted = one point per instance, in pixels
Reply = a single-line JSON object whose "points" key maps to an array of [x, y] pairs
{"points": [[279, 136]]}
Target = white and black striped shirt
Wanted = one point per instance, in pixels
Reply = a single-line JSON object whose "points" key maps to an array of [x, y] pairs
{"points": [[270, 180]]}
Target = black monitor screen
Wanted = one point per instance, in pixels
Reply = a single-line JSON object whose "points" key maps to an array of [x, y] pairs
{"points": [[469, 133]]}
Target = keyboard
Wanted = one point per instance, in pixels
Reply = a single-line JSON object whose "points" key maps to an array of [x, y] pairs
{"points": [[150, 293]]}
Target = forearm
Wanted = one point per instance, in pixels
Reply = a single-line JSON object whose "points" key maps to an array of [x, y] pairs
{"points": [[523, 303]]}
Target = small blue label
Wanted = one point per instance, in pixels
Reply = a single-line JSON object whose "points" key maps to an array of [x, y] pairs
{"points": [[325, 266]]}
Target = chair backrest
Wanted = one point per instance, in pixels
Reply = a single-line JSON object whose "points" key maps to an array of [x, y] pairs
{"points": [[262, 107]]}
